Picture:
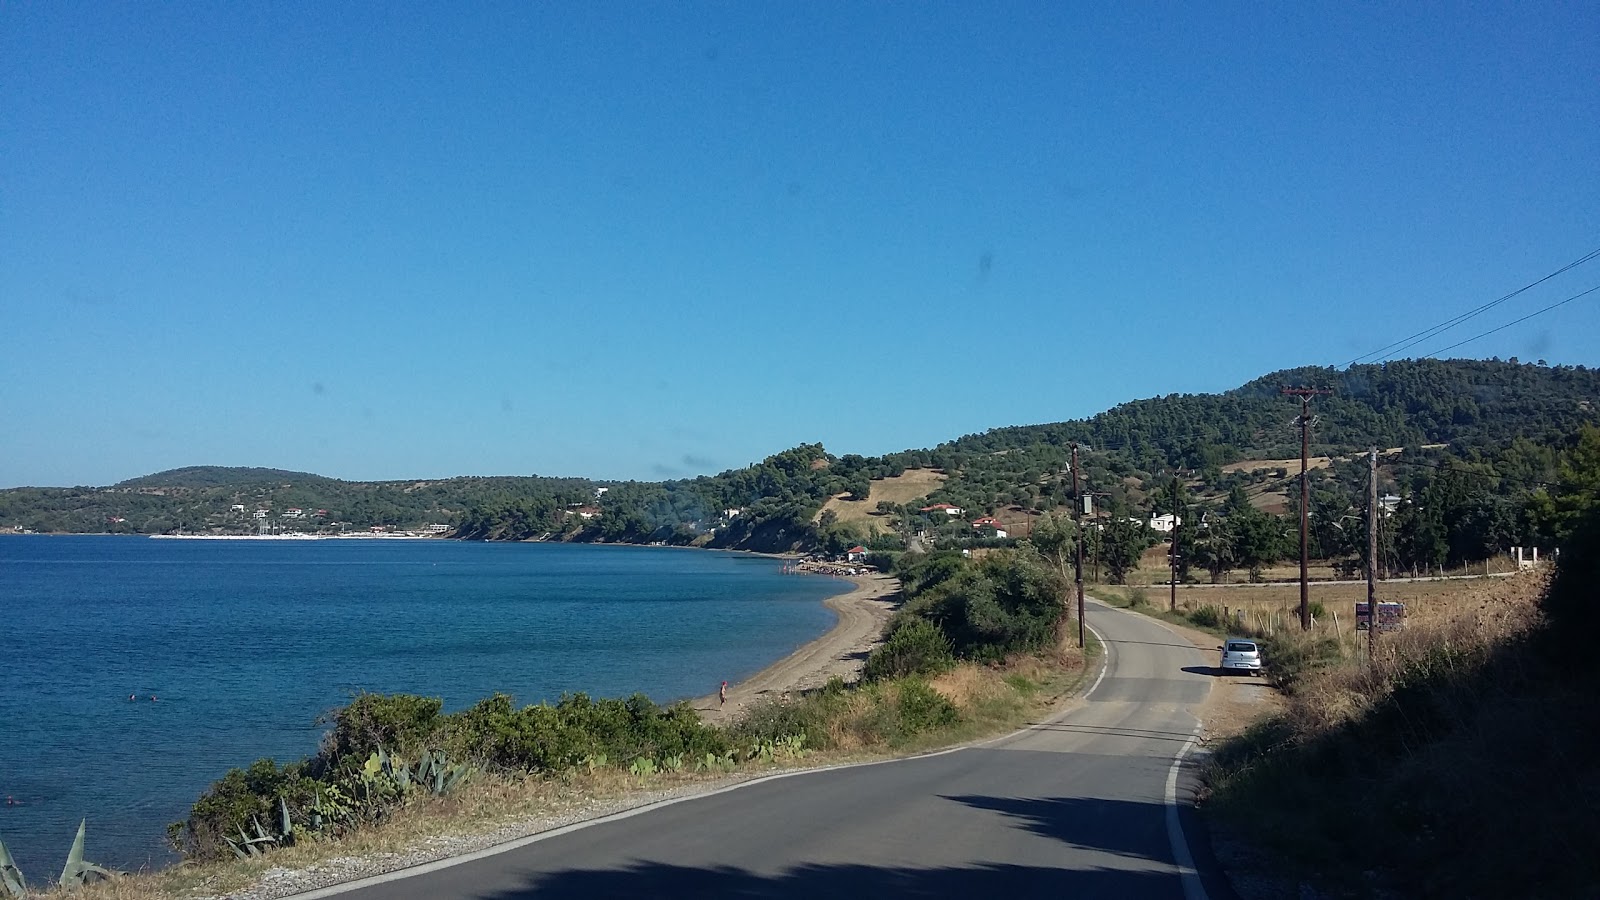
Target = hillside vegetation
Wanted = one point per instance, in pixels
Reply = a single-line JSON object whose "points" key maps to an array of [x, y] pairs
{"points": [[1472, 444]]}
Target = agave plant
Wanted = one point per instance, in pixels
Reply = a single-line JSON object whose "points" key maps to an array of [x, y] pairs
{"points": [[77, 872], [11, 882]]}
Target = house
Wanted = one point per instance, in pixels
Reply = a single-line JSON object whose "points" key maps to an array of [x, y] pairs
{"points": [[260, 514], [435, 529], [587, 512], [945, 508], [600, 492], [732, 512], [1389, 503], [294, 512], [237, 507], [1164, 523], [990, 522], [856, 553]]}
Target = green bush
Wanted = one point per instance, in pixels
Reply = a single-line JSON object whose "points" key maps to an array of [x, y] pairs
{"points": [[234, 803], [1207, 617], [1006, 603], [916, 646], [401, 722], [922, 709], [774, 720], [342, 784]]}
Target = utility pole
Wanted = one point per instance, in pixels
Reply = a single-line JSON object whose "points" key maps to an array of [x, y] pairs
{"points": [[1077, 515], [1172, 605], [1372, 559], [1305, 395]]}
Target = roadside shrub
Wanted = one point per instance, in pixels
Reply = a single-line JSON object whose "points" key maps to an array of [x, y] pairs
{"points": [[234, 803], [1138, 597], [1291, 656], [1570, 604], [810, 715], [554, 738], [393, 721], [1005, 604], [1207, 617], [921, 709], [916, 646]]}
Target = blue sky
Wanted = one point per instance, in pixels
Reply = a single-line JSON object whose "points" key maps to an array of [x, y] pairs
{"points": [[654, 240]]}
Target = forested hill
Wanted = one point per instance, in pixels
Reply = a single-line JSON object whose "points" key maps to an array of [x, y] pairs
{"points": [[1471, 405], [1503, 417]]}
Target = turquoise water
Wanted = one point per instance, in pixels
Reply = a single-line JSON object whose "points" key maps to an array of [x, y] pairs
{"points": [[244, 643]]}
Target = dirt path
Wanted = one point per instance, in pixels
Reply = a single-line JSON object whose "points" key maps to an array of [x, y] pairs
{"points": [[842, 651]]}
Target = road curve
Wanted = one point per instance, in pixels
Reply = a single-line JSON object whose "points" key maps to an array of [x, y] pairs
{"points": [[1072, 807]]}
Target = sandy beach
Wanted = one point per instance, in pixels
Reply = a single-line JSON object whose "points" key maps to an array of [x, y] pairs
{"points": [[842, 651]]}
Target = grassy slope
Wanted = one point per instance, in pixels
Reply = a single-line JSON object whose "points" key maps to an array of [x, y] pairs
{"points": [[1460, 766], [911, 485]]}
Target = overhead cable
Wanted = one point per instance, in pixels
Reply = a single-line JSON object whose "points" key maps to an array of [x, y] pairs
{"points": [[1406, 343]]}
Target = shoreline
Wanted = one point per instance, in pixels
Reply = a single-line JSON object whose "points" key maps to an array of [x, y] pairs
{"points": [[861, 612]]}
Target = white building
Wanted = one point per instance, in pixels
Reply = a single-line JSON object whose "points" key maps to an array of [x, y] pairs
{"points": [[1165, 523]]}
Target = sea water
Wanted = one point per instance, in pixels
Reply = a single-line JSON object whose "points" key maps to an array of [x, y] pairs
{"points": [[134, 672]]}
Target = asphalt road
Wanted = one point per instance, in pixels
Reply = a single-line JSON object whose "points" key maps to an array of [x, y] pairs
{"points": [[1074, 807]]}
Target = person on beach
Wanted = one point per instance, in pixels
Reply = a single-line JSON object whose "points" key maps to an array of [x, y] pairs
{"points": [[722, 695]]}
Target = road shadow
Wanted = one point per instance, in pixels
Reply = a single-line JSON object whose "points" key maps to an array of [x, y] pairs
{"points": [[1155, 644], [1120, 827], [658, 880], [1212, 671]]}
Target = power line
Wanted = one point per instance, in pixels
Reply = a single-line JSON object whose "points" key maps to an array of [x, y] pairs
{"points": [[1408, 342], [1518, 321]]}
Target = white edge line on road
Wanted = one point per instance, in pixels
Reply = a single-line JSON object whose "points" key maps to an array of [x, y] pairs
{"points": [[519, 843], [1192, 887], [1105, 660]]}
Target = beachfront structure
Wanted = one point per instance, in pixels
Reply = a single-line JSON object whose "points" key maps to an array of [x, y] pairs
{"points": [[946, 508], [855, 554]]}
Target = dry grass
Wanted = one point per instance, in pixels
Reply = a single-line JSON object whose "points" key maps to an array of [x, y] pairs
{"points": [[1293, 465], [1452, 718], [504, 807], [911, 485]]}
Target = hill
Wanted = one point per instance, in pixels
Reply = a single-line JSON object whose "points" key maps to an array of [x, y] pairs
{"points": [[1476, 433], [201, 477]]}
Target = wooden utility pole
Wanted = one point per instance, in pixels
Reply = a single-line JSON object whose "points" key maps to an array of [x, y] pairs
{"points": [[1172, 604], [1305, 395], [1372, 558], [1077, 515]]}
